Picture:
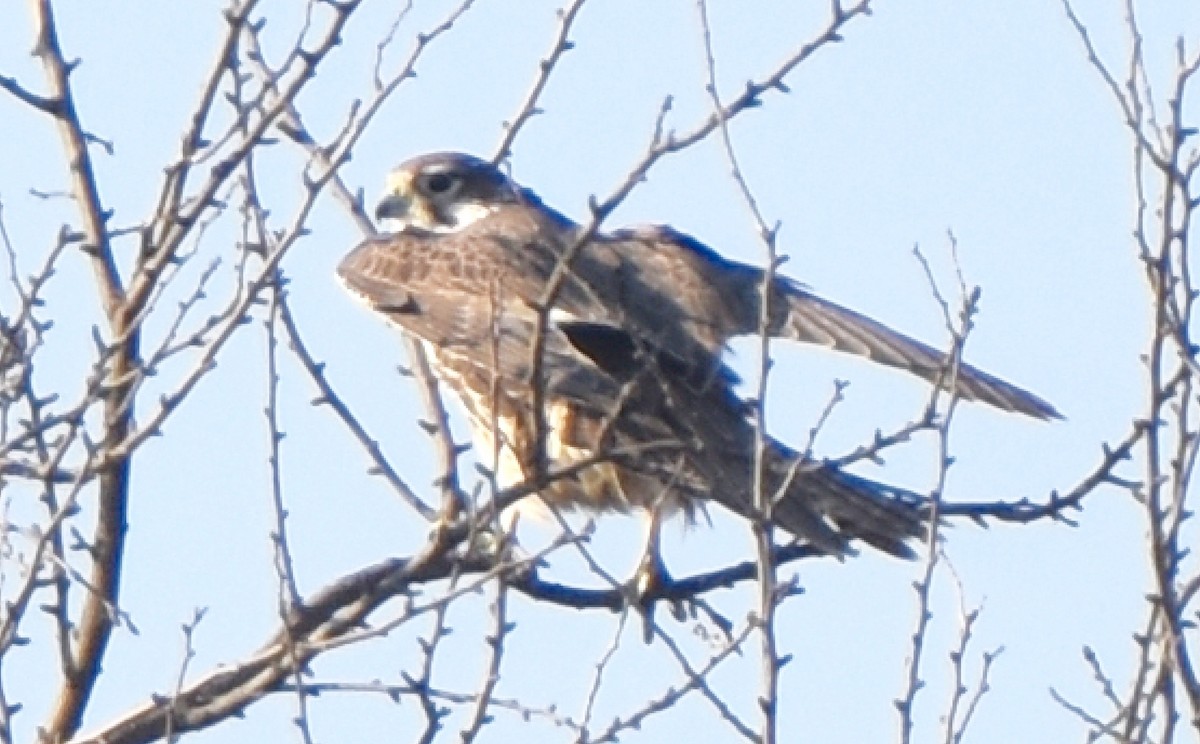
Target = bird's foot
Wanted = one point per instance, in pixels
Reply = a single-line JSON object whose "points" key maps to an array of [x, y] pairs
{"points": [[648, 586]]}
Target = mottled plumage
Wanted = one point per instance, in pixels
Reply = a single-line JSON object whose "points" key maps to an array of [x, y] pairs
{"points": [[632, 353], [678, 433]]}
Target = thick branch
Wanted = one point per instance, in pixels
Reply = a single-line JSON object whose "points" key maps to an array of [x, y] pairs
{"points": [[107, 547], [83, 178]]}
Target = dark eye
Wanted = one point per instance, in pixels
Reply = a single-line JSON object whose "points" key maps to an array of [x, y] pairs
{"points": [[438, 183]]}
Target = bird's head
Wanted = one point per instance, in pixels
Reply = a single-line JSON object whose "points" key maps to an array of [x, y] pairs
{"points": [[444, 192]]}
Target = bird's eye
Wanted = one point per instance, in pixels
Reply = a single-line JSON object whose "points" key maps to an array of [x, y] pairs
{"points": [[438, 183]]}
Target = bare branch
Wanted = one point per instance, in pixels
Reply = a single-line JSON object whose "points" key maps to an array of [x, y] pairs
{"points": [[84, 187], [41, 103], [528, 109], [328, 396]]}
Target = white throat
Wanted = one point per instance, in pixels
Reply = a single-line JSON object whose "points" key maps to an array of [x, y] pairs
{"points": [[466, 214], [463, 215]]}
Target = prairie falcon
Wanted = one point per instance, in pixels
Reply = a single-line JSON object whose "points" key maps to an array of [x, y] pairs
{"points": [[630, 361]]}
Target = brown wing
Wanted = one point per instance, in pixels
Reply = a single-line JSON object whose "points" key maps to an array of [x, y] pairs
{"points": [[667, 299], [808, 318], [714, 299], [676, 439], [415, 281], [653, 396], [448, 287], [604, 389]]}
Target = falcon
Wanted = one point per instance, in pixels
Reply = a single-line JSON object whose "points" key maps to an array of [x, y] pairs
{"points": [[603, 357]]}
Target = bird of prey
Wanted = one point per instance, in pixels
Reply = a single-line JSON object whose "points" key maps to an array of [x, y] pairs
{"points": [[620, 365]]}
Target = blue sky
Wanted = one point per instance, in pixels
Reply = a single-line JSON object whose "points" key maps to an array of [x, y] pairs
{"points": [[980, 119]]}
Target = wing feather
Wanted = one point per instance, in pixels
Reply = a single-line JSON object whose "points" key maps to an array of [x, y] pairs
{"points": [[807, 318], [472, 300], [689, 286]]}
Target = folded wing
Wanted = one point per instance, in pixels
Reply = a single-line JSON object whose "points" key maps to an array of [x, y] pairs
{"points": [[690, 289]]}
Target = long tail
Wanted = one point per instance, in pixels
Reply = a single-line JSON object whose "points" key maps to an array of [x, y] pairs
{"points": [[805, 317], [830, 509], [822, 505]]}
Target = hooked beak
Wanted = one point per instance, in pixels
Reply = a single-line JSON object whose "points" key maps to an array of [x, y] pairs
{"points": [[393, 206]]}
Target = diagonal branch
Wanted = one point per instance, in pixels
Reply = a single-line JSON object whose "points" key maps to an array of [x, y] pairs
{"points": [[529, 107], [107, 546], [84, 188]]}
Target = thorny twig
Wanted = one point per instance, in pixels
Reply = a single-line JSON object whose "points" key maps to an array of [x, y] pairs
{"points": [[959, 327], [546, 66]]}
